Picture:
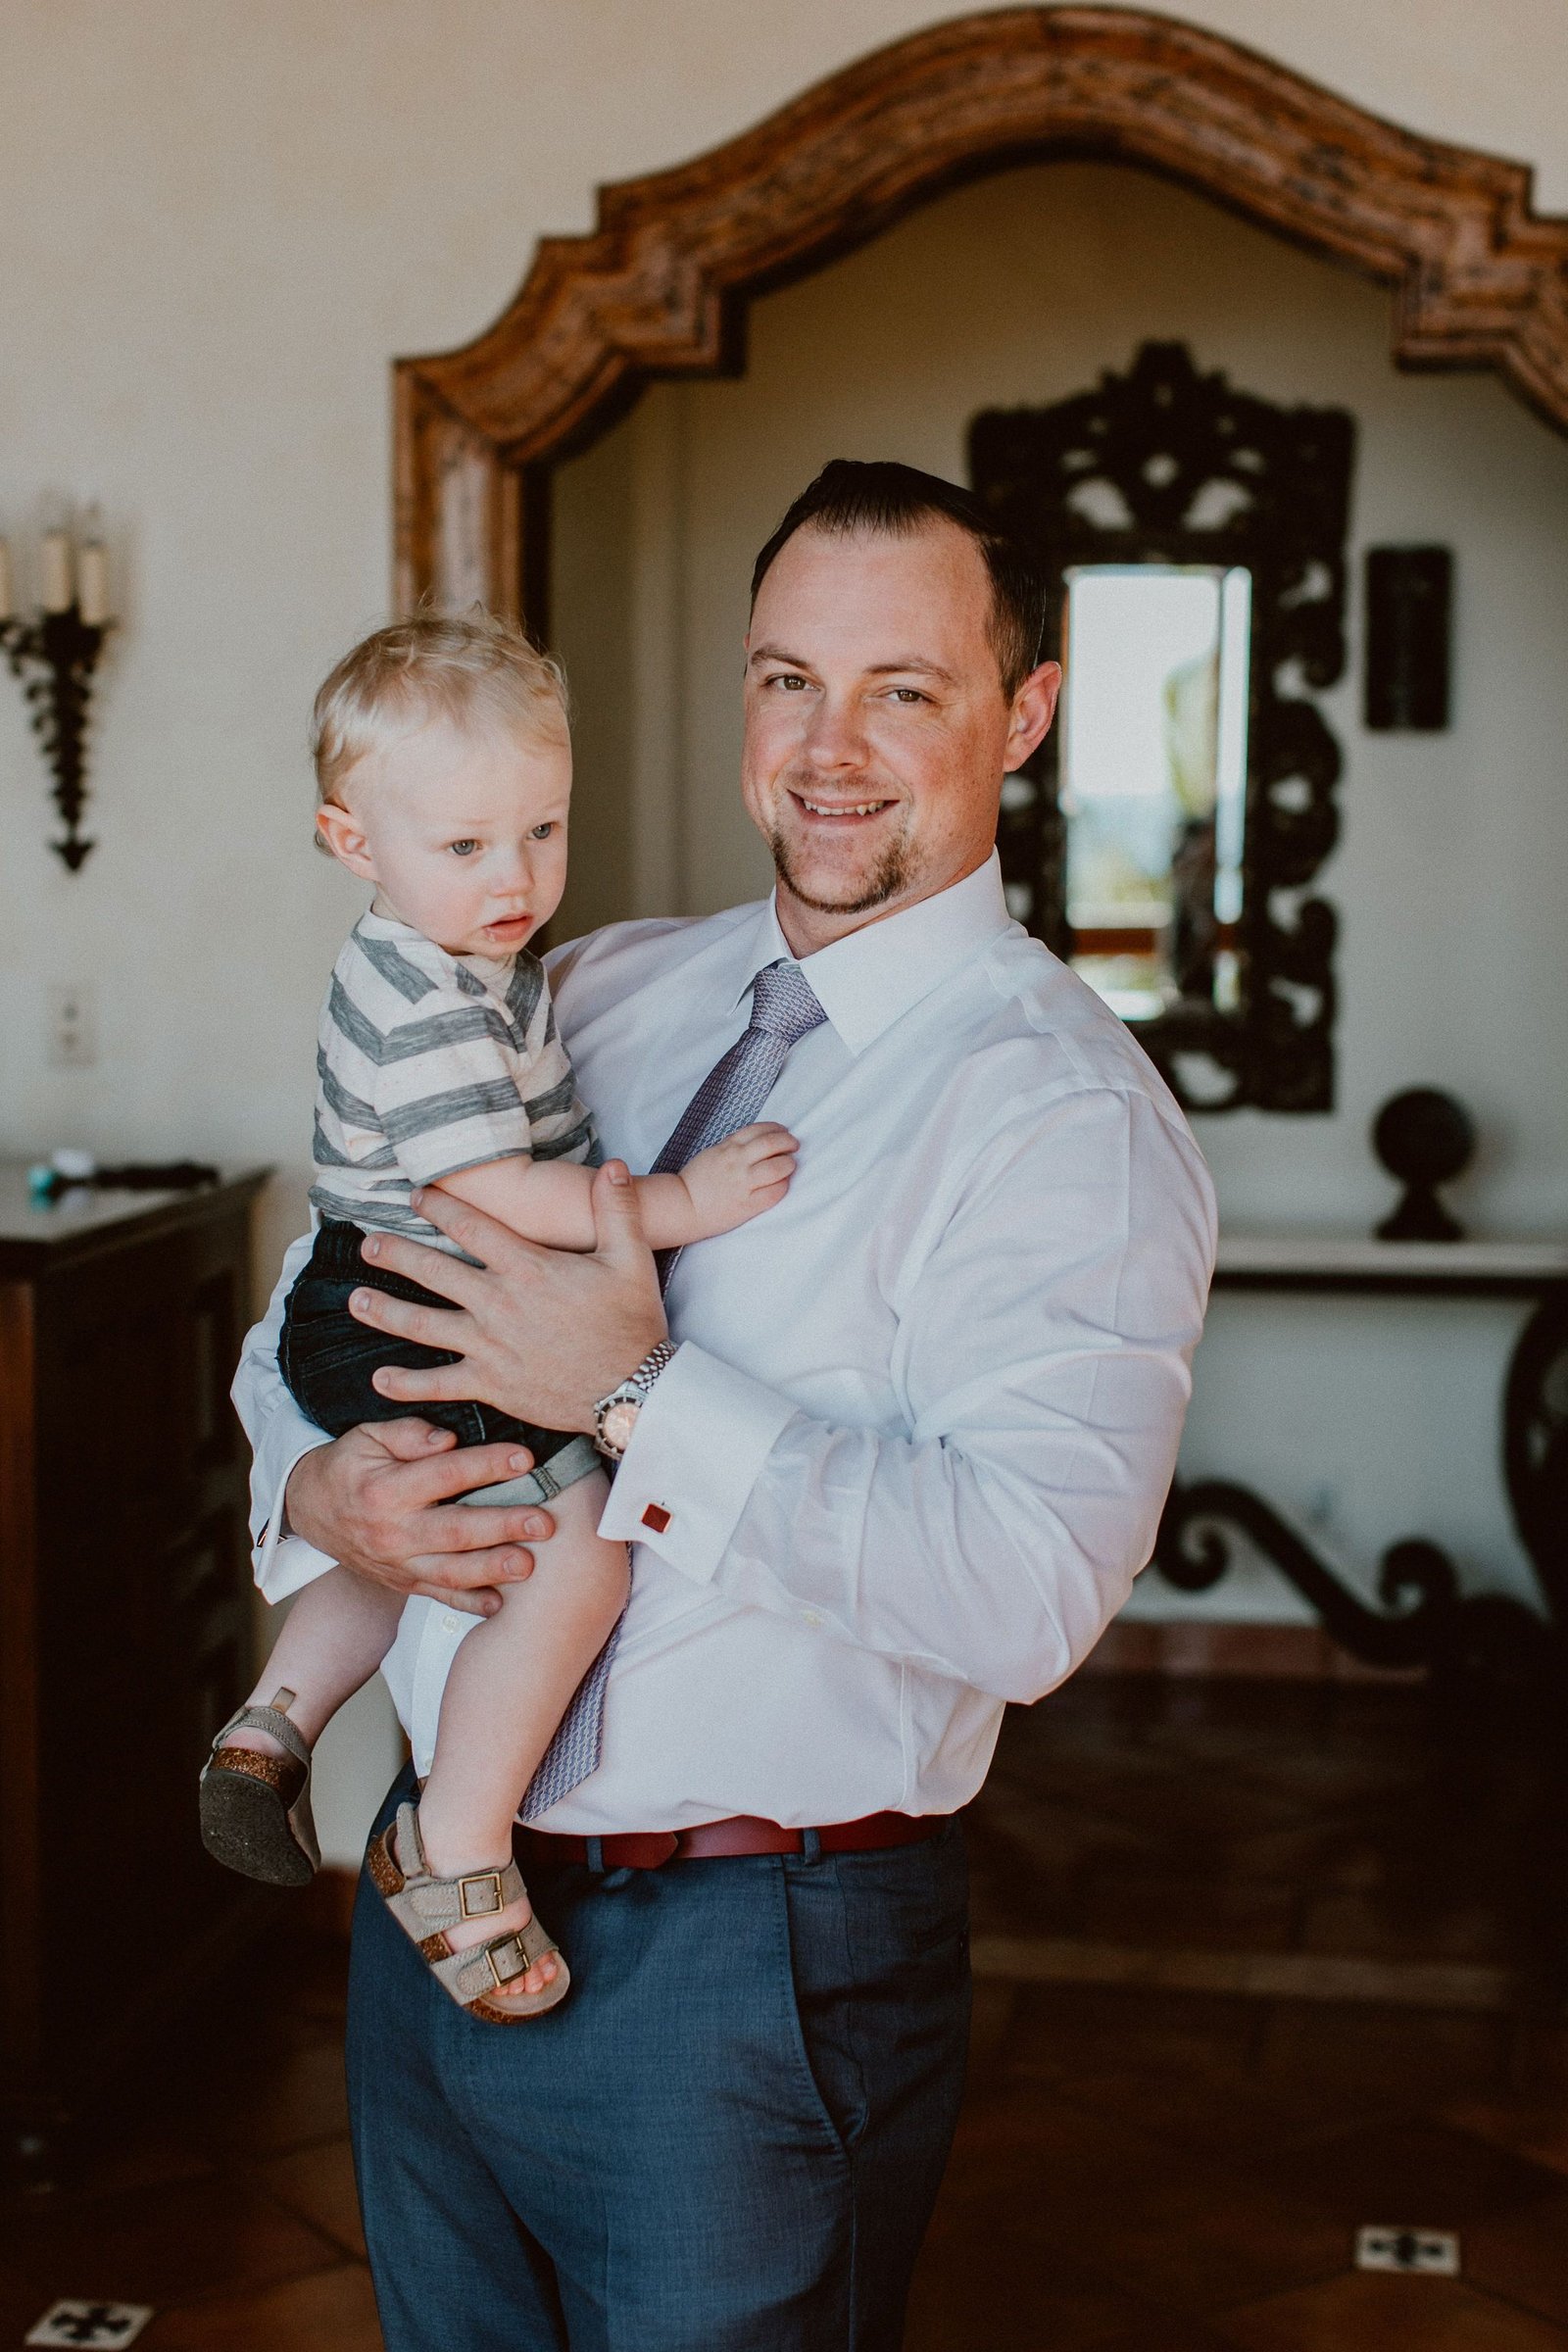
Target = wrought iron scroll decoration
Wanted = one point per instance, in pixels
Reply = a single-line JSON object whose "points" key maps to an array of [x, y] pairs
{"points": [[1416, 1584], [1424, 1620], [1535, 1447], [1421, 1617], [1164, 464]]}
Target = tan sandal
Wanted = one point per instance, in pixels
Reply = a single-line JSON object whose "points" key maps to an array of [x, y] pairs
{"points": [[425, 1906], [256, 1809]]}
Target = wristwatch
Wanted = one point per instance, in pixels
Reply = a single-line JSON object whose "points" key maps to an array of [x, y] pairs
{"points": [[615, 1416]]}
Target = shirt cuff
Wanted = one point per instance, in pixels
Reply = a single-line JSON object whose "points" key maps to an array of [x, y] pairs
{"points": [[285, 1563], [696, 1453]]}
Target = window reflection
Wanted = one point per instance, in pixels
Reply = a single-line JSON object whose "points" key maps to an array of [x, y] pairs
{"points": [[1153, 780]]}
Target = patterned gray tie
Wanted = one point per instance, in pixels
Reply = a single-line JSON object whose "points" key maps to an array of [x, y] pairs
{"points": [[784, 1010]]}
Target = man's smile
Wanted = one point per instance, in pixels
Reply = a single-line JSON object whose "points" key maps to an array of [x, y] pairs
{"points": [[838, 811]]}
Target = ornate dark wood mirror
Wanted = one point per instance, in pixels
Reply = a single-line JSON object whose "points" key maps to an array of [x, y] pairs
{"points": [[1165, 836]]}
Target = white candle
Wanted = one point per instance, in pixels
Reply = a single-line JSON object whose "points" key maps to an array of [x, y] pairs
{"points": [[93, 582], [54, 554], [8, 602]]}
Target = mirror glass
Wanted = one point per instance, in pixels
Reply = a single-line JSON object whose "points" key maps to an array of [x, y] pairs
{"points": [[1153, 780]]}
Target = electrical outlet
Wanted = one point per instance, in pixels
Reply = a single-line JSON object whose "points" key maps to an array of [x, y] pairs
{"points": [[72, 1044], [1433, 2251]]}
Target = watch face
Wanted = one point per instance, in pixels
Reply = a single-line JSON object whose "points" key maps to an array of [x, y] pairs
{"points": [[620, 1419]]}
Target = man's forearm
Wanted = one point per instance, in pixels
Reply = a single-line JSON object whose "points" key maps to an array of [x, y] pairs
{"points": [[975, 1554]]}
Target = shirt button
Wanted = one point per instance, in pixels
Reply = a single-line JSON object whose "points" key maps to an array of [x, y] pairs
{"points": [[450, 1622], [810, 1617]]}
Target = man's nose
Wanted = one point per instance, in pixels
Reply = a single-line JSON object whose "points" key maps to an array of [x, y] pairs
{"points": [[835, 737]]}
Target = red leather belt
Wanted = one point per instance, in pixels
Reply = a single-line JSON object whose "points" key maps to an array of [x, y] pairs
{"points": [[741, 1833]]}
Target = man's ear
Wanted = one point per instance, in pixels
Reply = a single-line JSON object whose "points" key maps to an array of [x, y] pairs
{"points": [[339, 829], [1034, 706]]}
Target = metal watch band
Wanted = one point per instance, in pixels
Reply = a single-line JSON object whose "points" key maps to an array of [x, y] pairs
{"points": [[615, 1416]]}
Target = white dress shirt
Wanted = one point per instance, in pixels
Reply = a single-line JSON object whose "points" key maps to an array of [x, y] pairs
{"points": [[913, 1445]]}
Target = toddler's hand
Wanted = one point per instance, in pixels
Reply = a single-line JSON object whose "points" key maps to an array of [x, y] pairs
{"points": [[736, 1180]]}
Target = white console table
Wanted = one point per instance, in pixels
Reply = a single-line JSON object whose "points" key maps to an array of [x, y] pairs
{"points": [[1312, 1261]]}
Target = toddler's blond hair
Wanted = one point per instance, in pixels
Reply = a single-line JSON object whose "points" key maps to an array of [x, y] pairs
{"points": [[474, 670]]}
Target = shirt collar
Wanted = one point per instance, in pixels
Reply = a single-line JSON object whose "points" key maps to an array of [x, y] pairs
{"points": [[868, 980]]}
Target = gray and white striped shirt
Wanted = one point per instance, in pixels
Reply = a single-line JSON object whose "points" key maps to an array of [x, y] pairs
{"points": [[427, 1063]]}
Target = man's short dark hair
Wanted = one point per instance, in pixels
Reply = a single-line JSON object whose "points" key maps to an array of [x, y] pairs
{"points": [[895, 500]]}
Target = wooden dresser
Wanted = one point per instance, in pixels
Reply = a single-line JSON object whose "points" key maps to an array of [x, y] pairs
{"points": [[125, 1600]]}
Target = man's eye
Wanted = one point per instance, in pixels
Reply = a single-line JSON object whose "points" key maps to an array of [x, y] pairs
{"points": [[543, 832], [790, 679], [463, 848], [907, 694]]}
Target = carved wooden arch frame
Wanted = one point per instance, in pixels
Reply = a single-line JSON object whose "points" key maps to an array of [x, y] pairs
{"points": [[661, 287]]}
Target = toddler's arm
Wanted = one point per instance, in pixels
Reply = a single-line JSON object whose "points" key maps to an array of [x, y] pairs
{"points": [[547, 1200]]}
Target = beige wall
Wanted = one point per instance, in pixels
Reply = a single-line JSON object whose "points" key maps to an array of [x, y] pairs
{"points": [[222, 223]]}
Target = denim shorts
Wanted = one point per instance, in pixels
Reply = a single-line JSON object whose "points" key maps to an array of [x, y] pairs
{"points": [[327, 1358]]}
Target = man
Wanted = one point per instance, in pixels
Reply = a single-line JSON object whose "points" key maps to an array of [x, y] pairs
{"points": [[905, 1460]]}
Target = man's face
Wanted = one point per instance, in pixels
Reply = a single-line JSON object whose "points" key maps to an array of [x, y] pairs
{"points": [[877, 733]]}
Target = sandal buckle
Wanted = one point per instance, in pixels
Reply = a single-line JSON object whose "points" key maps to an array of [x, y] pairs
{"points": [[505, 1943], [487, 1883]]}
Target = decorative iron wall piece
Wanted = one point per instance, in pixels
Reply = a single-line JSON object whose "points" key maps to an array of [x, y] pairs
{"points": [[1424, 1618], [1421, 1616], [1167, 465], [1535, 1447]]}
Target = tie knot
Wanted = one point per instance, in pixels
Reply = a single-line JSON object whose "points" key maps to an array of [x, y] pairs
{"points": [[783, 1002]]}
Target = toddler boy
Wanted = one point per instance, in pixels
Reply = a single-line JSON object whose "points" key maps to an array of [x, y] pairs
{"points": [[443, 765]]}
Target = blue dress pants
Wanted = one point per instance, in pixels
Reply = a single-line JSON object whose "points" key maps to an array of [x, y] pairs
{"points": [[728, 2139]]}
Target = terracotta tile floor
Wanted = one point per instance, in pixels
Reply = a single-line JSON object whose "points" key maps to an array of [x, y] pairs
{"points": [[1137, 2171]]}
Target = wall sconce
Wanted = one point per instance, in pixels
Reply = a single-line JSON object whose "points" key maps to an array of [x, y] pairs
{"points": [[55, 655]]}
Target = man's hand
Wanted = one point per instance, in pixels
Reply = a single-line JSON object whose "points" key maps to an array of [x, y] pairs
{"points": [[540, 1334], [378, 1501]]}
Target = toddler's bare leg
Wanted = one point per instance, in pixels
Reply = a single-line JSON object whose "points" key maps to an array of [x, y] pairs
{"points": [[511, 1684], [334, 1637]]}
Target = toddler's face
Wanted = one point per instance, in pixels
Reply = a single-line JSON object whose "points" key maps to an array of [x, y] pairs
{"points": [[464, 835]]}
